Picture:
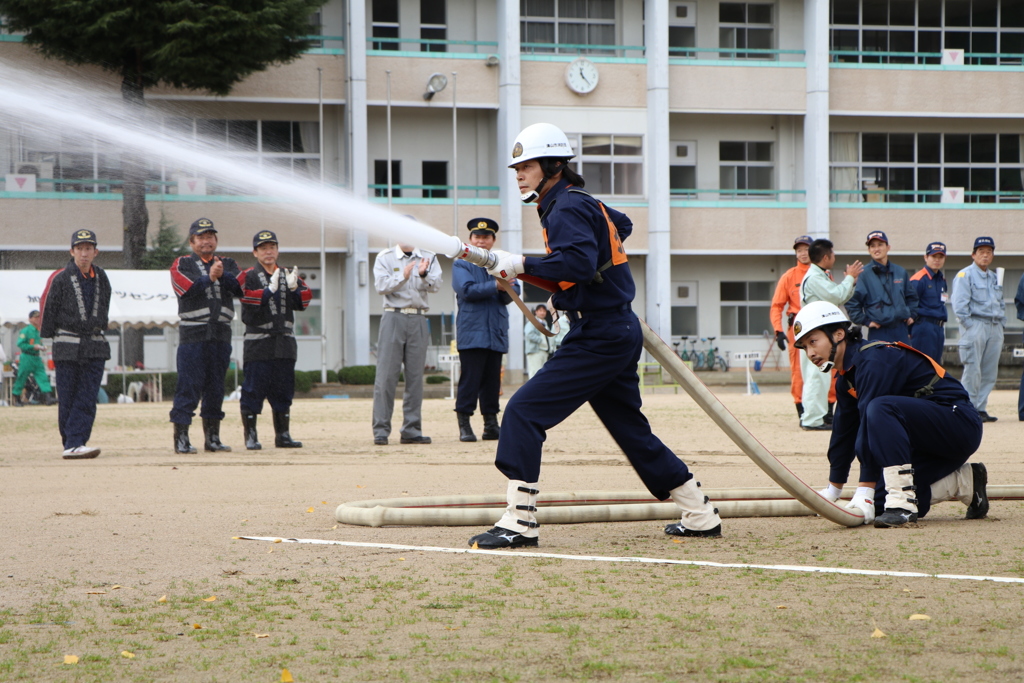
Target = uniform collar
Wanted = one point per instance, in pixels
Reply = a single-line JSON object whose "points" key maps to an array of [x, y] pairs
{"points": [[549, 197], [850, 356], [399, 254]]}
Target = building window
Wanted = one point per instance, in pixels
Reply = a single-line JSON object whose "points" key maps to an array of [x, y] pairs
{"points": [[682, 28], [384, 18], [380, 177], [683, 168], [611, 164], [746, 26], [917, 31], [745, 166], [684, 309], [435, 179], [433, 25], [915, 167], [560, 24], [746, 308]]}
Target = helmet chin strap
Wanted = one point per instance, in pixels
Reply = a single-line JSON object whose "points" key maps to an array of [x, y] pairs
{"points": [[831, 362], [534, 194]]}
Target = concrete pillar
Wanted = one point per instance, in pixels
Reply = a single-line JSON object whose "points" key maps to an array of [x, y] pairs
{"points": [[659, 259], [816, 122], [358, 269], [509, 125]]}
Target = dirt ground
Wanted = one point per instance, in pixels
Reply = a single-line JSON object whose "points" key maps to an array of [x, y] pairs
{"points": [[90, 549]]}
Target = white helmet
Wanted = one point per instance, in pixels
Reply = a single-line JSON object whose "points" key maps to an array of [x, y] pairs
{"points": [[540, 140], [812, 316]]}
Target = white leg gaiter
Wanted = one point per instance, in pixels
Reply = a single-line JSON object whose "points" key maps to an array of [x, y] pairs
{"points": [[698, 512], [899, 488], [956, 486], [520, 514]]}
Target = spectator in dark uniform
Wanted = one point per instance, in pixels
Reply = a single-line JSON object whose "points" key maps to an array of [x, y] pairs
{"points": [[482, 336], [270, 296], [206, 285], [929, 331], [75, 306]]}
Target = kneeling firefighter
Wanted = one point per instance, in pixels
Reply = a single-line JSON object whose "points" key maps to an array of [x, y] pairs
{"points": [[597, 361], [911, 425]]}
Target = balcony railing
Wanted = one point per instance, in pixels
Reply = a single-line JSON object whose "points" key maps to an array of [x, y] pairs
{"points": [[923, 58], [453, 49], [734, 56], [924, 197], [542, 50], [733, 198], [482, 194], [326, 45]]}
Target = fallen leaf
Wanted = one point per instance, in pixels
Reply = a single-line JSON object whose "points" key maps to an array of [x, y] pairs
{"points": [[476, 546], [96, 592], [245, 520], [210, 599], [919, 617], [262, 635], [781, 607], [360, 486], [878, 633], [323, 502], [127, 655], [286, 676], [278, 540], [163, 598], [114, 588], [197, 626], [335, 526], [453, 628], [71, 659], [310, 509], [401, 559], [677, 540], [906, 590], [270, 551]]}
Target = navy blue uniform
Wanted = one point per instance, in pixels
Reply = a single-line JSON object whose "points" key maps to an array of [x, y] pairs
{"points": [[879, 420], [75, 309], [597, 360], [885, 296], [206, 309], [928, 333], [1018, 301]]}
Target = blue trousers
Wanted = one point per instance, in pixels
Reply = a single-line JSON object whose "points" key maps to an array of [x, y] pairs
{"points": [[936, 438], [596, 363], [273, 380], [78, 386], [201, 370], [479, 378], [928, 337], [893, 333]]}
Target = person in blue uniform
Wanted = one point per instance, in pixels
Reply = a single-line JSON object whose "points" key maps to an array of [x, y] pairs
{"points": [[1018, 302], [884, 299], [929, 331], [206, 286], [597, 361], [75, 307], [910, 424], [481, 336], [270, 297]]}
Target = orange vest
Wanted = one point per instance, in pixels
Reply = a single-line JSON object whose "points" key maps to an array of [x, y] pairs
{"points": [[618, 250], [926, 390]]}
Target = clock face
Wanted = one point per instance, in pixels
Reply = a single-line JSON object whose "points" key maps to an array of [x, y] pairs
{"points": [[581, 76]]}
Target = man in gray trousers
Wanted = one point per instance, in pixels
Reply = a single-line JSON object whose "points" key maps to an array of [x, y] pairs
{"points": [[403, 275]]}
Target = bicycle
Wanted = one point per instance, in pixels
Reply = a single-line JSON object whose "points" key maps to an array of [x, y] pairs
{"points": [[684, 356], [697, 357], [715, 361]]}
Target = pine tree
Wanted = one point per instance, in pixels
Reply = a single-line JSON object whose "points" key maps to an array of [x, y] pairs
{"points": [[166, 246]]}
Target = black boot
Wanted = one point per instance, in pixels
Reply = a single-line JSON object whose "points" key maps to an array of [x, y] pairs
{"points": [[830, 415], [799, 409], [252, 442], [181, 442], [465, 429], [49, 400], [211, 432], [282, 439], [491, 428]]}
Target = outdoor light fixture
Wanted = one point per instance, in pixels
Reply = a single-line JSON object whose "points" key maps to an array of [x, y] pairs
{"points": [[435, 85]]}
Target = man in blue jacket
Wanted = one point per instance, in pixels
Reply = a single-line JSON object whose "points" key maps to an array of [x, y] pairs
{"points": [[481, 336], [884, 300], [929, 331]]}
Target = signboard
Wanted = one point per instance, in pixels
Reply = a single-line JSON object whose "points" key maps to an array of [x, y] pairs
{"points": [[20, 182]]}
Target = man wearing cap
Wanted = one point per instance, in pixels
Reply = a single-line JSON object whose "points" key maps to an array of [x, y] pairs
{"points": [[270, 295], [884, 300], [1018, 302], [30, 363], [817, 285], [205, 285], [979, 307], [75, 306], [481, 337], [403, 276], [787, 293], [928, 333]]}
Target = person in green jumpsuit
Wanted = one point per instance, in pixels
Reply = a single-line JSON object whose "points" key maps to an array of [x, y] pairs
{"points": [[31, 363]]}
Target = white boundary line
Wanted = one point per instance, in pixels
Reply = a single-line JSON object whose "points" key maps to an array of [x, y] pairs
{"points": [[640, 560]]}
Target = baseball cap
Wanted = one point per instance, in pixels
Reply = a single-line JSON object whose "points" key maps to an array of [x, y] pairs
{"points": [[483, 225], [262, 237], [877, 235], [984, 242], [200, 226], [935, 248], [83, 237], [803, 239]]}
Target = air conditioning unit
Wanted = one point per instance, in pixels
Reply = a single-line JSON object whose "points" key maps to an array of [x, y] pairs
{"points": [[40, 169]]}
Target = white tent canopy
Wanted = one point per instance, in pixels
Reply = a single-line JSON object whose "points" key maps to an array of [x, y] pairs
{"points": [[140, 298]]}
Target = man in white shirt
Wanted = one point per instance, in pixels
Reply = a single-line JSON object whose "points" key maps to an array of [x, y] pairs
{"points": [[403, 275]]}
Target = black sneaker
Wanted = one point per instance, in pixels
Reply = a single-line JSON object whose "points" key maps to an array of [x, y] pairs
{"points": [[380, 441], [979, 502], [415, 439], [985, 417], [500, 537], [823, 427], [894, 517], [678, 529]]}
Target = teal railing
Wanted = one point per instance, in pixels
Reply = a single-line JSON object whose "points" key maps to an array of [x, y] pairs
{"points": [[326, 45], [684, 55], [926, 196], [729, 193], [621, 51], [430, 47], [380, 190], [924, 58]]}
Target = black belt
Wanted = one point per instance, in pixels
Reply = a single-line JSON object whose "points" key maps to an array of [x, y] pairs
{"points": [[929, 319]]}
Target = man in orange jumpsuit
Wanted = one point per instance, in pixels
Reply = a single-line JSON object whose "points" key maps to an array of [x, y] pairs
{"points": [[788, 292]]}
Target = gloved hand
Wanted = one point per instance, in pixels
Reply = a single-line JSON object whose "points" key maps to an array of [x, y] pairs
{"points": [[508, 266], [292, 278], [275, 281], [865, 504], [830, 493], [780, 339]]}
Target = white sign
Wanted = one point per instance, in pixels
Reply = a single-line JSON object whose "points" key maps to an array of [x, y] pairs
{"points": [[193, 186], [752, 355], [953, 57], [446, 358], [1018, 353], [952, 195], [20, 182]]}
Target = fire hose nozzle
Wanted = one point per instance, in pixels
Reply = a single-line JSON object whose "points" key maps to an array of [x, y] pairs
{"points": [[475, 255]]}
